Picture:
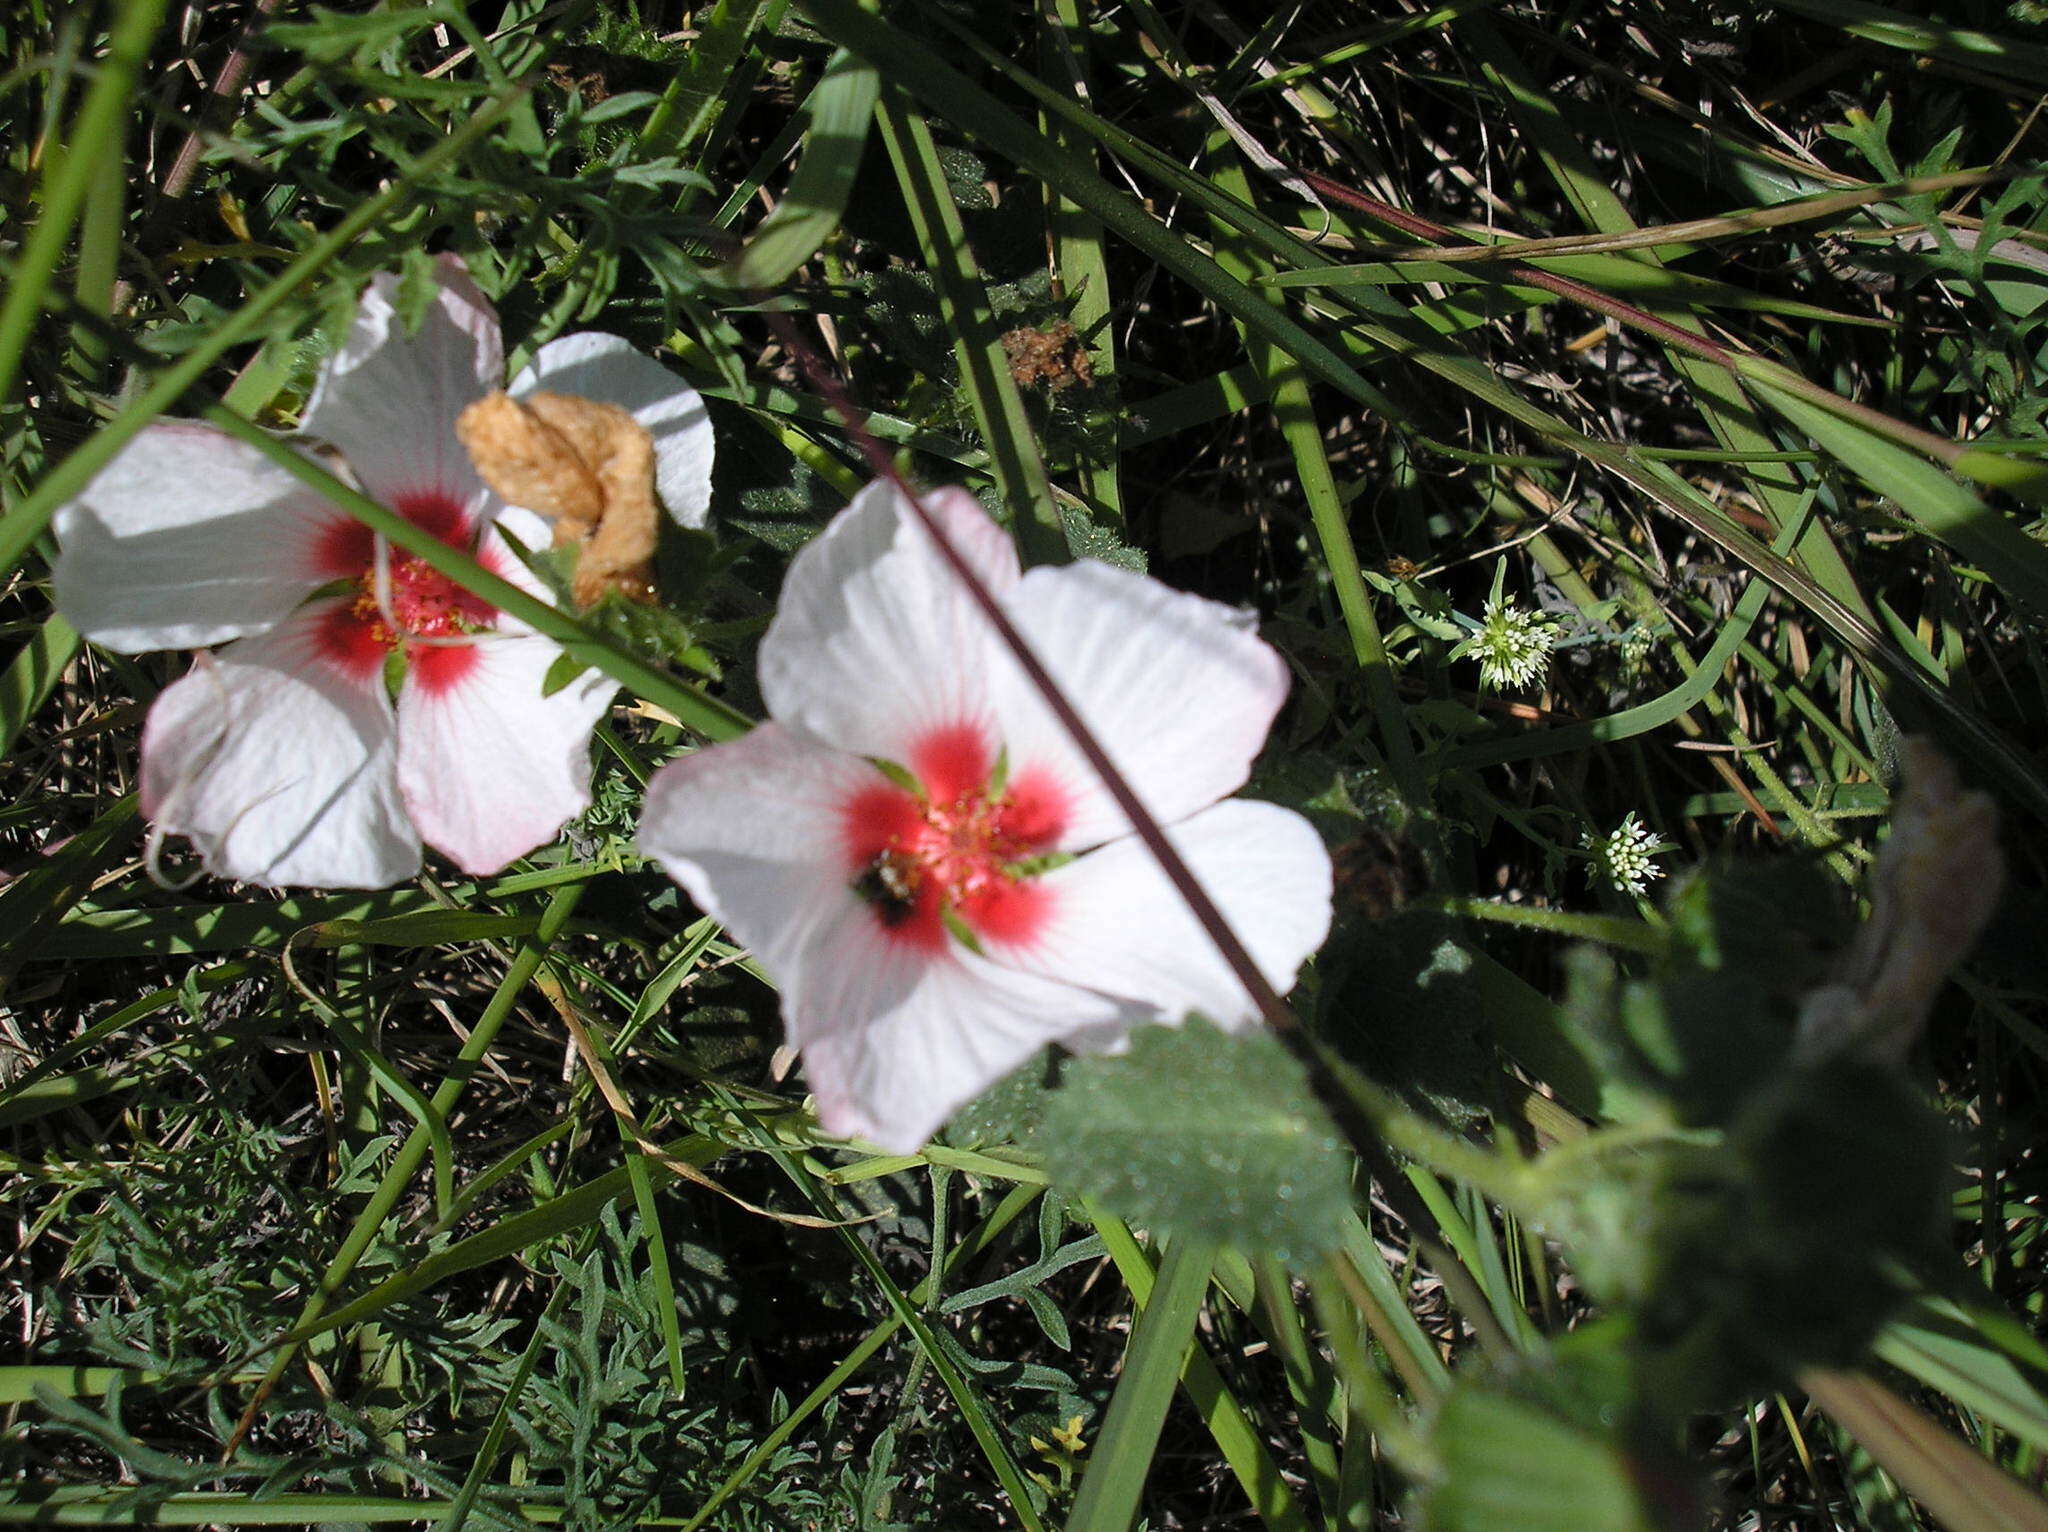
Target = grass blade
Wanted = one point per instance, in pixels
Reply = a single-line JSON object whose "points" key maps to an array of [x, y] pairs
{"points": [[963, 299], [1165, 1329], [1962, 1489], [840, 110], [96, 132], [32, 675]]}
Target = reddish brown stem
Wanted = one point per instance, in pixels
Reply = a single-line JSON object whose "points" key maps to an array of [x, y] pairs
{"points": [[1343, 1108], [227, 85]]}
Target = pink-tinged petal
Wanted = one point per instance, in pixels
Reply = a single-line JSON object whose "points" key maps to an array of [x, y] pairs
{"points": [[389, 400], [765, 834], [277, 758], [894, 1041], [1117, 927], [1179, 690], [611, 370], [769, 833], [952, 760], [347, 548], [188, 537], [489, 767], [876, 643]]}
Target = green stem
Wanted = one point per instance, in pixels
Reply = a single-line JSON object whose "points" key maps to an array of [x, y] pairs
{"points": [[1613, 930]]}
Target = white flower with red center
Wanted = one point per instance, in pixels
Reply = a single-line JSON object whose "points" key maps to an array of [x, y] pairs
{"points": [[282, 757], [917, 852]]}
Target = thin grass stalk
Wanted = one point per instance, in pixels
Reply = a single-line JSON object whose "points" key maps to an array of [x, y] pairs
{"points": [[972, 1409], [2028, 480], [30, 518], [398, 1175], [68, 180], [1007, 1211]]}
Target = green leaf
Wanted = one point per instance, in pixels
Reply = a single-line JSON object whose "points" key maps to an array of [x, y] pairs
{"points": [[1509, 1463], [696, 92], [169, 930], [565, 669], [32, 675], [841, 108], [32, 906], [1944, 508], [1198, 1134], [2026, 62], [1941, 1347], [426, 928], [1160, 1339], [1090, 539]]}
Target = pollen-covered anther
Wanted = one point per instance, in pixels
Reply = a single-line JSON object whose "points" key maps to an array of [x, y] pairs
{"points": [[920, 861], [417, 601], [587, 467], [965, 848]]}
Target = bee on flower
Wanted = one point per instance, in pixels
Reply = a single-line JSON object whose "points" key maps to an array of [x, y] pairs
{"points": [[915, 850]]}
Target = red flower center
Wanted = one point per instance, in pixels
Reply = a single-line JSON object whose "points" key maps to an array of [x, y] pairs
{"points": [[413, 601], [959, 848], [418, 602]]}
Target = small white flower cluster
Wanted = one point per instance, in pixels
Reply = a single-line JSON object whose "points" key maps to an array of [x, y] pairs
{"points": [[1637, 645], [1623, 856], [1513, 646]]}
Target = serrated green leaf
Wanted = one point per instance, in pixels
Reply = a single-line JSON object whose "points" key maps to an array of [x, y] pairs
{"points": [[1090, 539], [1198, 1134]]}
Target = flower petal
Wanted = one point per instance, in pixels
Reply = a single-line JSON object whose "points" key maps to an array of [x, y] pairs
{"points": [[488, 766], [612, 370], [754, 830], [389, 400], [894, 1036], [876, 643], [277, 759], [187, 538], [894, 1041], [1179, 690], [1117, 927]]}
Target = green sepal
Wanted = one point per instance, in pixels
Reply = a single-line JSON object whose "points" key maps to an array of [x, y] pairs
{"points": [[565, 669]]}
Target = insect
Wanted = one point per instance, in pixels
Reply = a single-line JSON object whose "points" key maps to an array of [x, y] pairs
{"points": [[890, 884]]}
